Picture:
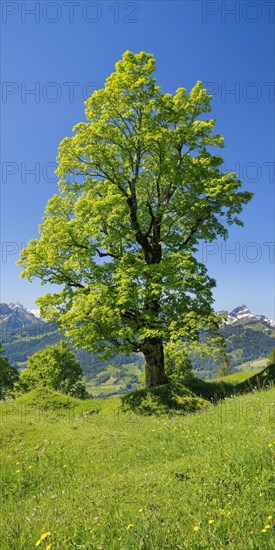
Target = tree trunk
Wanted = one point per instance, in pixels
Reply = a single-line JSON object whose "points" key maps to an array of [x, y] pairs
{"points": [[152, 349]]}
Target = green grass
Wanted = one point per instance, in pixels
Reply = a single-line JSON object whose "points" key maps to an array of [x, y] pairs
{"points": [[237, 377], [118, 480], [256, 364], [119, 377], [172, 398]]}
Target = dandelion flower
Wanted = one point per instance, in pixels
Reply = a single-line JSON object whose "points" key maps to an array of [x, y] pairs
{"points": [[210, 521], [263, 531], [269, 517], [141, 510], [196, 528], [130, 526], [17, 471], [267, 526], [43, 537], [48, 547]]}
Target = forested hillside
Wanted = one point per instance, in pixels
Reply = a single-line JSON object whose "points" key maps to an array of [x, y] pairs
{"points": [[248, 338]]}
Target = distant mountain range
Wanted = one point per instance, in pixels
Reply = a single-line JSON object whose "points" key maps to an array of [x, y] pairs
{"points": [[15, 316], [248, 337], [12, 312], [18, 305], [243, 314]]}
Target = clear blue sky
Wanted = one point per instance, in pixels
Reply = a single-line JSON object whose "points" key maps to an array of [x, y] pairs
{"points": [[65, 51]]}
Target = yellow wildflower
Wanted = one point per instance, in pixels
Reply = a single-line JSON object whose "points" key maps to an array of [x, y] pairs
{"points": [[48, 547], [269, 517], [43, 537], [141, 510], [263, 531], [17, 471], [267, 526], [196, 528], [210, 521], [130, 526]]}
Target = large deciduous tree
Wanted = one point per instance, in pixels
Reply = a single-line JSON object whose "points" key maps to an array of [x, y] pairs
{"points": [[139, 189]]}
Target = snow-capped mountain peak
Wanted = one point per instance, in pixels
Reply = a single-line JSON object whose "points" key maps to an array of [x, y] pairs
{"points": [[35, 312], [18, 305], [15, 305], [238, 314], [243, 313]]}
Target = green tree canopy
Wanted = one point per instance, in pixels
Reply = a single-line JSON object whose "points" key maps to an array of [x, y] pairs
{"points": [[225, 368], [56, 367], [139, 189], [8, 376], [271, 359]]}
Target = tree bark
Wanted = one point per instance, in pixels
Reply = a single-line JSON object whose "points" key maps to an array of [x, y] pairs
{"points": [[152, 349]]}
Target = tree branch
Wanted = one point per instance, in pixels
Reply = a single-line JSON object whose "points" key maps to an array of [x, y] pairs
{"points": [[105, 254], [193, 231]]}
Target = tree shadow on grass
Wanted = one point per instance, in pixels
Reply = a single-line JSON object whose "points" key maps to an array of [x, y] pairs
{"points": [[192, 394], [171, 397]]}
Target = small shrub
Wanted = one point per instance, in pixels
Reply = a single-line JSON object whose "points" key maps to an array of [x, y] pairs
{"points": [[44, 398], [172, 397]]}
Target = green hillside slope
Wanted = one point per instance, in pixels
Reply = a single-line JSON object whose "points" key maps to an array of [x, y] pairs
{"points": [[114, 480]]}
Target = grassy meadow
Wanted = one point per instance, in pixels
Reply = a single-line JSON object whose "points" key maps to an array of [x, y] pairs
{"points": [[115, 480]]}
